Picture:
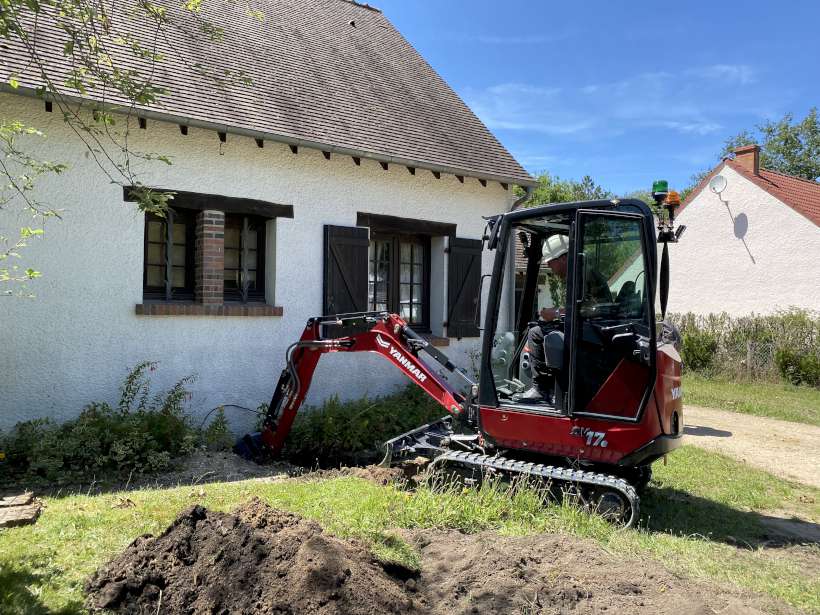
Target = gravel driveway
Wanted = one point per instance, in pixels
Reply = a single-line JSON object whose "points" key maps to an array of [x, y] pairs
{"points": [[789, 450]]}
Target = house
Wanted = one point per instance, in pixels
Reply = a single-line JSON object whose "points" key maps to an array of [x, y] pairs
{"points": [[752, 247], [349, 176]]}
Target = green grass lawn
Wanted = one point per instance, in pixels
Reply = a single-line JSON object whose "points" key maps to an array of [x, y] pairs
{"points": [[780, 401], [697, 503]]}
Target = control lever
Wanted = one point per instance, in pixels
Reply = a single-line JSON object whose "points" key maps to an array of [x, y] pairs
{"points": [[641, 353]]}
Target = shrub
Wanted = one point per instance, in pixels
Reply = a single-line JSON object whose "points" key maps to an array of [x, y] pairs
{"points": [[752, 347], [798, 367], [351, 432], [217, 435], [141, 435], [698, 350]]}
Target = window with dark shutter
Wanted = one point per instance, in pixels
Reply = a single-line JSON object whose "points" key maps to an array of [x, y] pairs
{"points": [[244, 258], [346, 267], [398, 279], [463, 281], [168, 272]]}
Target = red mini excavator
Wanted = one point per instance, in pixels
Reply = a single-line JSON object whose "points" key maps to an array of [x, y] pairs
{"points": [[580, 389]]}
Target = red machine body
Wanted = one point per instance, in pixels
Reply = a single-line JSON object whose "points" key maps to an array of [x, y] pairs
{"points": [[580, 437], [597, 441]]}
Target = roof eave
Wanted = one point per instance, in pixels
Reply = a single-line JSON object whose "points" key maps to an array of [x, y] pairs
{"points": [[289, 140]]}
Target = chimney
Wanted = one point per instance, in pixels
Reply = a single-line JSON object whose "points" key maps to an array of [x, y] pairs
{"points": [[748, 157]]}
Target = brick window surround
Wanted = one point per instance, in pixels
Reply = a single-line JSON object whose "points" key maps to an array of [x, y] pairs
{"points": [[209, 257]]}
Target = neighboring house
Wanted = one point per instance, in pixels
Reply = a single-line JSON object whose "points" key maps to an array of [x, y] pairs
{"points": [[752, 248], [348, 177]]}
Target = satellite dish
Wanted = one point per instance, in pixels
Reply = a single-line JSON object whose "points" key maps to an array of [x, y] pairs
{"points": [[717, 184]]}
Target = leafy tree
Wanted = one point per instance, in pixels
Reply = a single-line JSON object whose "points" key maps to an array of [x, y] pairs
{"points": [[109, 62], [556, 190], [641, 195], [786, 146]]}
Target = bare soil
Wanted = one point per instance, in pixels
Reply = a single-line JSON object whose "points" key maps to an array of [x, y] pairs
{"points": [[257, 560], [262, 560], [789, 450], [205, 466]]}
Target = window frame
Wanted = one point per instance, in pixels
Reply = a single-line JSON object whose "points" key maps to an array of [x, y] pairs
{"points": [[258, 294], [163, 293], [394, 288]]}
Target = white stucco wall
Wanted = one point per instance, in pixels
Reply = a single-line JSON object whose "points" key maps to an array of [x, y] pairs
{"points": [[74, 341], [756, 255]]}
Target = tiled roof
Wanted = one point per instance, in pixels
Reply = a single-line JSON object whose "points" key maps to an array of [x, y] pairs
{"points": [[324, 72], [802, 195]]}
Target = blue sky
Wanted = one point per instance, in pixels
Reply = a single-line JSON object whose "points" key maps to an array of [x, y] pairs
{"points": [[626, 92]]}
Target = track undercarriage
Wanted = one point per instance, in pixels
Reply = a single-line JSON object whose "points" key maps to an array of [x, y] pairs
{"points": [[462, 454]]}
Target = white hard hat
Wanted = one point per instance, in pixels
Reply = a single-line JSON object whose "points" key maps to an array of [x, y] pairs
{"points": [[555, 246]]}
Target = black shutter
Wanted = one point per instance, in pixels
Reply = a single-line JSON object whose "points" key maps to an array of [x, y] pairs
{"points": [[463, 280], [345, 283]]}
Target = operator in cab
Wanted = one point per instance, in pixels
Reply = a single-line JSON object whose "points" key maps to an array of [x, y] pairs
{"points": [[545, 338]]}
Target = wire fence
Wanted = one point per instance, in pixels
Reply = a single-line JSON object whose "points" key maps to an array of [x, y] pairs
{"points": [[751, 347]]}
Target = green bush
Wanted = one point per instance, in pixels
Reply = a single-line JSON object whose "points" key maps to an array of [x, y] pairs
{"points": [[698, 350], [141, 435], [755, 347], [344, 433], [798, 367], [217, 435]]}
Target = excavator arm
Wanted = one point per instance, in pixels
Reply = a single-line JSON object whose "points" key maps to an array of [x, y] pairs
{"points": [[380, 332]]}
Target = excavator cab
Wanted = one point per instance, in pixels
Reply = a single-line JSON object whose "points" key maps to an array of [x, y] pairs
{"points": [[580, 341], [581, 372]]}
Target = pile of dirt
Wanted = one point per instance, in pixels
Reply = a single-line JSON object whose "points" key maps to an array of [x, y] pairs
{"points": [[256, 560], [262, 560]]}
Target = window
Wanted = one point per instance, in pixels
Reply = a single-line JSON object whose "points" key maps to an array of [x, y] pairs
{"points": [[169, 256], [399, 276], [208, 254], [244, 258], [614, 268]]}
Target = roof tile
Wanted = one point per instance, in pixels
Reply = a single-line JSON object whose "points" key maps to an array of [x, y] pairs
{"points": [[802, 195], [316, 77]]}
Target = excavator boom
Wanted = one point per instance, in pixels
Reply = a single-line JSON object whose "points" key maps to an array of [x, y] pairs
{"points": [[380, 332]]}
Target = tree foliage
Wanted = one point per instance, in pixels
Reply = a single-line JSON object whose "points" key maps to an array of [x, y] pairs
{"points": [[112, 72], [787, 146], [553, 189]]}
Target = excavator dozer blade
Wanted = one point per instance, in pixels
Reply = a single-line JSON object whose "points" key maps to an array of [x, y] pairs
{"points": [[429, 440]]}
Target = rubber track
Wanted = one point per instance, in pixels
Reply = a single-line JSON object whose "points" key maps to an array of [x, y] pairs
{"points": [[553, 473]]}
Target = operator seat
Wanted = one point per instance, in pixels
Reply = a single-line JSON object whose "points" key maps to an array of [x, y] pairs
{"points": [[628, 298], [545, 365]]}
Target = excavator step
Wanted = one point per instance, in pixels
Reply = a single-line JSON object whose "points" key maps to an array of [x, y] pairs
{"points": [[612, 496]]}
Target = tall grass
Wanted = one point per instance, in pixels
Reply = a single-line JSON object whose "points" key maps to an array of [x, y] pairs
{"points": [[756, 347], [695, 504]]}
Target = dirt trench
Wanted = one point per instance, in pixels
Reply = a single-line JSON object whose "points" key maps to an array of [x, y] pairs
{"points": [[262, 560]]}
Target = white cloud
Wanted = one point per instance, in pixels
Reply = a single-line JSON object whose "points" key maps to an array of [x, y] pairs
{"points": [[701, 128], [694, 101], [742, 74], [518, 39]]}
